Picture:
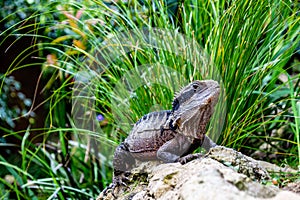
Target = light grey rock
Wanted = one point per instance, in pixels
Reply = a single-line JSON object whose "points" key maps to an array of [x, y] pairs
{"points": [[222, 174]]}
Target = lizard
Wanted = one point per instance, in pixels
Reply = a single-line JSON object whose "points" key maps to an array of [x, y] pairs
{"points": [[169, 135]]}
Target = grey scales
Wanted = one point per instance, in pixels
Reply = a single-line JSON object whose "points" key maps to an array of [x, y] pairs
{"points": [[170, 135]]}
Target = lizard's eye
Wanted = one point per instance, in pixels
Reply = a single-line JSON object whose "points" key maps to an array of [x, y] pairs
{"points": [[195, 87]]}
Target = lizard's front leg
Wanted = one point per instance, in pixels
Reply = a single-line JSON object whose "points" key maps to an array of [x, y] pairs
{"points": [[175, 150], [180, 149]]}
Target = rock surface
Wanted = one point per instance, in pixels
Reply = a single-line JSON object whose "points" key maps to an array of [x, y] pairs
{"points": [[221, 174]]}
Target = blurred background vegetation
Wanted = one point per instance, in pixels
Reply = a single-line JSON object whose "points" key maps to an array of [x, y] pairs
{"points": [[43, 44]]}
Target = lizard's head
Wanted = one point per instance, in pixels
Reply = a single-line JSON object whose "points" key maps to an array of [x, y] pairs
{"points": [[193, 106]]}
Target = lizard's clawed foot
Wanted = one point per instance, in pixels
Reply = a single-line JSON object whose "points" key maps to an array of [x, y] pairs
{"points": [[119, 180], [189, 157]]}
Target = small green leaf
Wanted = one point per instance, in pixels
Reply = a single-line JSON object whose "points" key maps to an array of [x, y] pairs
{"points": [[30, 1]]}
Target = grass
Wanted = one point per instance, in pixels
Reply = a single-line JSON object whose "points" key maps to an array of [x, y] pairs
{"points": [[296, 112], [99, 58]]}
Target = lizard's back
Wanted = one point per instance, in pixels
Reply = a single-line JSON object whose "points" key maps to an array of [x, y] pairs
{"points": [[147, 135]]}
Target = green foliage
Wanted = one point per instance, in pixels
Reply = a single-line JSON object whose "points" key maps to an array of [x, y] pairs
{"points": [[14, 11], [249, 43], [13, 103]]}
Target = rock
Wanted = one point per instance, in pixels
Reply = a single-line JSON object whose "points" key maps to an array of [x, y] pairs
{"points": [[294, 187], [274, 168], [239, 162], [221, 174]]}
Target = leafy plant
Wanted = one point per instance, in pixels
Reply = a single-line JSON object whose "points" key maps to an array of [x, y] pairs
{"points": [[13, 103]]}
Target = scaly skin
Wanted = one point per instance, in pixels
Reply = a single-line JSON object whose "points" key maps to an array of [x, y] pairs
{"points": [[171, 135]]}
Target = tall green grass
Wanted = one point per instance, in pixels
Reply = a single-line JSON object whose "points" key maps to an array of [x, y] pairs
{"points": [[248, 43]]}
